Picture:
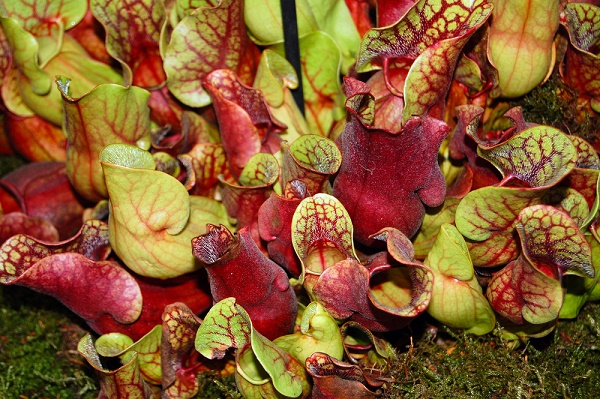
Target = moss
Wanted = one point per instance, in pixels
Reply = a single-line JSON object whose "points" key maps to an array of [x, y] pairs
{"points": [[556, 104], [37, 349], [215, 386], [565, 364]]}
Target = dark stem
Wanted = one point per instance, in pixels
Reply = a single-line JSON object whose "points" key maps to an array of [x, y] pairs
{"points": [[292, 46]]}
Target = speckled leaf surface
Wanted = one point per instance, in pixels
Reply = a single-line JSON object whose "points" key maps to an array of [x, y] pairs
{"points": [[224, 326], [208, 161], [430, 75], [19, 223], [571, 202], [209, 38], [133, 29], [41, 18], [457, 298], [521, 43], [152, 218], [108, 114]]}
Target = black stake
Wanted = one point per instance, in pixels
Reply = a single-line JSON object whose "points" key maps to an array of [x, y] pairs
{"points": [[292, 46]]}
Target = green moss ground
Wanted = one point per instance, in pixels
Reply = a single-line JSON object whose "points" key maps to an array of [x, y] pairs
{"points": [[38, 359], [566, 364]]}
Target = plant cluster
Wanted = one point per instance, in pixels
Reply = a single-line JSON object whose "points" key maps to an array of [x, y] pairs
{"points": [[172, 174]]}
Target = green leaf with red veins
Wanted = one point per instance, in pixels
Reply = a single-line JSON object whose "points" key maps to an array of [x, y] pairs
{"points": [[426, 23], [540, 156], [152, 217], [550, 236], [109, 114], [148, 349], [39, 17], [74, 271], [321, 234], [457, 299], [579, 290], [246, 124], [319, 332], [124, 382], [179, 328], [429, 77], [323, 100], [523, 294], [19, 223], [208, 162], [312, 159], [133, 32], [401, 291], [587, 157], [569, 201], [487, 216], [521, 43], [582, 21], [275, 78], [209, 38], [255, 184], [227, 325], [585, 182], [430, 227]]}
